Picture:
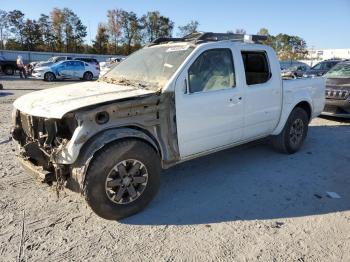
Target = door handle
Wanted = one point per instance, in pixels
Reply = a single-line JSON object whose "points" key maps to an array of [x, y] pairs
{"points": [[235, 100]]}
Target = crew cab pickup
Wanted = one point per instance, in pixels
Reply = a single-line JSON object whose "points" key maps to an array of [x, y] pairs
{"points": [[172, 101]]}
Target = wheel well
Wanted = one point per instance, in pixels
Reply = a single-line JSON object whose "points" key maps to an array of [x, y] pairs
{"points": [[49, 73], [88, 153], [89, 72], [306, 106], [141, 135]]}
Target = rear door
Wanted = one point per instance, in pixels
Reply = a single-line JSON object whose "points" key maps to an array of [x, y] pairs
{"points": [[209, 103], [263, 93]]}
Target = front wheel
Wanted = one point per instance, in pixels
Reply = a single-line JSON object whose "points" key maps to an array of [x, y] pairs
{"points": [[49, 77], [292, 137], [122, 179]]}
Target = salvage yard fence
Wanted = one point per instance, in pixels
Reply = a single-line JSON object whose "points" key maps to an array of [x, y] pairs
{"points": [[30, 56]]}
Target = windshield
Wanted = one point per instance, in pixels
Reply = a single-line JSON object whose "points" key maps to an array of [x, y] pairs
{"points": [[339, 71], [317, 66], [150, 67]]}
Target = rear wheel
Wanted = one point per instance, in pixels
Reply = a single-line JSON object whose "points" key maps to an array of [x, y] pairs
{"points": [[49, 77], [122, 179], [88, 76], [292, 137]]}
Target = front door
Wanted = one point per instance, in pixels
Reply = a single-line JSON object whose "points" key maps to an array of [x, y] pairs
{"points": [[209, 103]]}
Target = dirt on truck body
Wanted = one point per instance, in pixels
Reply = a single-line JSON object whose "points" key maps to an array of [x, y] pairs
{"points": [[149, 117], [172, 101]]}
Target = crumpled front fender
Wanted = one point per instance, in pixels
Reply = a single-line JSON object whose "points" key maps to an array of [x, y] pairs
{"points": [[94, 144]]}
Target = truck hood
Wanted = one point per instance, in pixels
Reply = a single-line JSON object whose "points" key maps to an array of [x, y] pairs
{"points": [[56, 102]]}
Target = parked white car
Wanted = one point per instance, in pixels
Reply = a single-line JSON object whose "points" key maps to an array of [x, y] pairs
{"points": [[172, 101], [69, 69]]}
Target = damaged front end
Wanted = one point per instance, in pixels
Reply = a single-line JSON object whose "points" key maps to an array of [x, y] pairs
{"points": [[40, 139]]}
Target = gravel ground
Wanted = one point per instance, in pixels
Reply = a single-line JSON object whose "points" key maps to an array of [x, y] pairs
{"points": [[243, 204]]}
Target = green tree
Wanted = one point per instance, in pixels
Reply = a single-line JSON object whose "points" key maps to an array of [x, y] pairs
{"points": [[46, 29], [155, 25], [74, 31], [57, 19], [101, 42], [131, 30], [31, 35], [68, 30], [190, 28], [3, 28], [16, 23], [290, 47], [263, 31], [114, 25]]}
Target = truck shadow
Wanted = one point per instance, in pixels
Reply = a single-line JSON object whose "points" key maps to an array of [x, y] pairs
{"points": [[3, 93], [253, 183]]}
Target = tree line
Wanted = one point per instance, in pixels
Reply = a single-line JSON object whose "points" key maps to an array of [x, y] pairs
{"points": [[122, 33]]}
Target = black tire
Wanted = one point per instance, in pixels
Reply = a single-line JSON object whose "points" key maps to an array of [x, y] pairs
{"points": [[106, 162], [9, 70], [289, 140], [49, 77], [88, 76]]}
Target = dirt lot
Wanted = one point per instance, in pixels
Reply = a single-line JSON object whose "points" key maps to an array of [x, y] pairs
{"points": [[246, 204]]}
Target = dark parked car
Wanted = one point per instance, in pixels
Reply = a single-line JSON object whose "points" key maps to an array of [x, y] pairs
{"points": [[8, 67], [89, 60], [296, 70], [321, 68], [338, 91]]}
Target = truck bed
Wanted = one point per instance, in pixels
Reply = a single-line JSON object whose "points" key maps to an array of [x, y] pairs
{"points": [[310, 88]]}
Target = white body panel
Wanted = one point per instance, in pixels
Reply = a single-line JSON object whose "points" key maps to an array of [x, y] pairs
{"points": [[311, 90], [56, 102], [208, 122]]}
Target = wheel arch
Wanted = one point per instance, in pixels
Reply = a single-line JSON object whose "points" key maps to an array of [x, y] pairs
{"points": [[49, 72], [88, 71], [99, 141], [304, 104]]}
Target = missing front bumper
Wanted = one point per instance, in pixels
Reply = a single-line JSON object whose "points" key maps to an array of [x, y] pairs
{"points": [[42, 175]]}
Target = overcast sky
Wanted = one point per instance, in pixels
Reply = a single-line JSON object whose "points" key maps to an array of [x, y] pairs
{"points": [[323, 24]]}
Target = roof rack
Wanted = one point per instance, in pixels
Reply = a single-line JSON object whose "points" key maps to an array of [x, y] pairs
{"points": [[201, 37]]}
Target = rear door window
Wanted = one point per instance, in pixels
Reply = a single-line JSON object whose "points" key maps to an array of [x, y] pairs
{"points": [[256, 66]]}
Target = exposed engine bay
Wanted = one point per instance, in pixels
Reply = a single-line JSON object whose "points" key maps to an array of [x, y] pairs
{"points": [[41, 138]]}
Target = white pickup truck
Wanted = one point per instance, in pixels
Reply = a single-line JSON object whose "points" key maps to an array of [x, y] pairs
{"points": [[172, 101]]}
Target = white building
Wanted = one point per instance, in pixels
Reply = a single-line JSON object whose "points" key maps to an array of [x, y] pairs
{"points": [[323, 54]]}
